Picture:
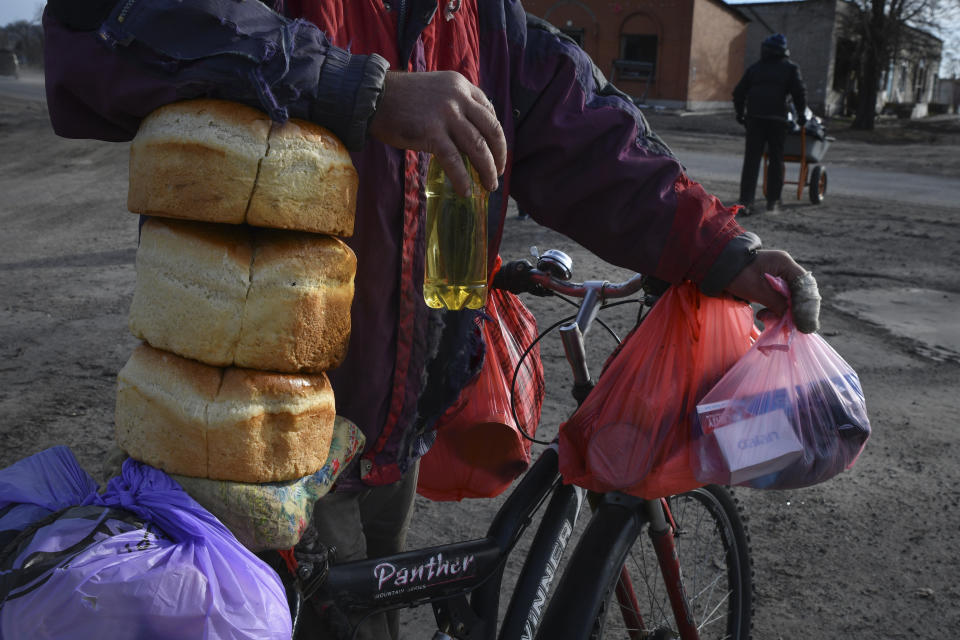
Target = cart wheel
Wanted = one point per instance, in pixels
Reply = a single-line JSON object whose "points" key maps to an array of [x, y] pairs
{"points": [[818, 184]]}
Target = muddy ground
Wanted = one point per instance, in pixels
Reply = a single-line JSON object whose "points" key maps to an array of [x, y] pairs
{"points": [[871, 554]]}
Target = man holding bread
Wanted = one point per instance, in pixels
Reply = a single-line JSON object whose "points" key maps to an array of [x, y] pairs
{"points": [[396, 81]]}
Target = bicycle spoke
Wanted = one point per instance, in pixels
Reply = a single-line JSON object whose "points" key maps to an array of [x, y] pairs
{"points": [[705, 595], [715, 614], [709, 567]]}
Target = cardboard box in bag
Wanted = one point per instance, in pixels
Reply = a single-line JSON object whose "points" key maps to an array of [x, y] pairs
{"points": [[757, 445]]}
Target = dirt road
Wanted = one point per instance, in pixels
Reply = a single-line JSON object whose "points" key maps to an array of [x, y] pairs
{"points": [[871, 554]]}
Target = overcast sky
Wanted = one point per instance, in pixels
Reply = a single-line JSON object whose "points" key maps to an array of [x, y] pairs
{"points": [[13, 10]]}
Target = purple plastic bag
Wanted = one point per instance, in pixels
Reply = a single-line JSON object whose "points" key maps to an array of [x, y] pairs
{"points": [[35, 487], [142, 560]]}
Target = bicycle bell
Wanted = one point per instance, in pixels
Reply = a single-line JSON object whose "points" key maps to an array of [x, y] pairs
{"points": [[555, 262]]}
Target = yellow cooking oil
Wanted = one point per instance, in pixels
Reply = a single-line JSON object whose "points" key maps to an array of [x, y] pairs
{"points": [[455, 270]]}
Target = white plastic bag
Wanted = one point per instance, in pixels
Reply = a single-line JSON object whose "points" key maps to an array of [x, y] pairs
{"points": [[790, 413]]}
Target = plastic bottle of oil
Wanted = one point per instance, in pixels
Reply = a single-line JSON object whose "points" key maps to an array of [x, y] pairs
{"points": [[455, 273]]}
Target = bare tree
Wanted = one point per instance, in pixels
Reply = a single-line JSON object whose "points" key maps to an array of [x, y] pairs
{"points": [[949, 31], [881, 28]]}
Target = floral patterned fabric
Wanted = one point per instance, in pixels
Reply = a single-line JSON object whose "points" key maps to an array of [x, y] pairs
{"points": [[274, 515]]}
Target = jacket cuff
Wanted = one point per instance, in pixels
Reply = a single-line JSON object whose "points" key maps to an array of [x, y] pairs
{"points": [[358, 76], [738, 253]]}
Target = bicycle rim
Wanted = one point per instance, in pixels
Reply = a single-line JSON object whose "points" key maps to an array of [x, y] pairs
{"points": [[713, 549]]}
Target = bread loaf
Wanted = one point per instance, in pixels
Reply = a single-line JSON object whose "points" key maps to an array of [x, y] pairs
{"points": [[231, 424], [220, 161], [197, 160], [243, 296], [306, 182]]}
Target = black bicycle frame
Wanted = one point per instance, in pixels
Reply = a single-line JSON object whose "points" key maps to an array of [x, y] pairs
{"points": [[543, 560], [446, 574]]}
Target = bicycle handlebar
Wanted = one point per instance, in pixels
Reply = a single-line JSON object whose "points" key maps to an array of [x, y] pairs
{"points": [[519, 276]]}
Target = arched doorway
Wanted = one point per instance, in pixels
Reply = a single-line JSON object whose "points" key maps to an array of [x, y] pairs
{"points": [[578, 21]]}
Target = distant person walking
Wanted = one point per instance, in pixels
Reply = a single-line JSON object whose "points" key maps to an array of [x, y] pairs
{"points": [[760, 100]]}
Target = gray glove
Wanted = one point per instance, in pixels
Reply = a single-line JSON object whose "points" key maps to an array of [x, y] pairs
{"points": [[805, 302]]}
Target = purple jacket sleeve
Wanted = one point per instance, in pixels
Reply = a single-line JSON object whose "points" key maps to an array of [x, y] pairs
{"points": [[101, 83], [587, 164]]}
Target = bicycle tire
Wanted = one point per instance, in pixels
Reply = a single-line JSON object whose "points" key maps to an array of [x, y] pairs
{"points": [[713, 547]]}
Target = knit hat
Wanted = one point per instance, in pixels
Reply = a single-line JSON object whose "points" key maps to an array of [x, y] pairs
{"points": [[777, 43]]}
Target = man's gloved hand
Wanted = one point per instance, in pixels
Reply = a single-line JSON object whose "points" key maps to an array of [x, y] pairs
{"points": [[741, 118], [801, 120], [805, 302], [750, 284]]}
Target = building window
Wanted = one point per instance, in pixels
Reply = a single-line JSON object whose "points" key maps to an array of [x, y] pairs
{"points": [[638, 47], [844, 67], [920, 81], [575, 34], [638, 56]]}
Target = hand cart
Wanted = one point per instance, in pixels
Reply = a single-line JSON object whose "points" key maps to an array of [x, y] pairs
{"points": [[809, 152]]}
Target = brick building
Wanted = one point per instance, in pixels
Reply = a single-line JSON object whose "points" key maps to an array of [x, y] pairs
{"points": [[681, 54]]}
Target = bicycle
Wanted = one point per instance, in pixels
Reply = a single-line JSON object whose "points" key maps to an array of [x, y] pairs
{"points": [[696, 578]]}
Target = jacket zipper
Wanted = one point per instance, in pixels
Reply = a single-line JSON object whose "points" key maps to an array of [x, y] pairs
{"points": [[125, 10], [401, 24]]}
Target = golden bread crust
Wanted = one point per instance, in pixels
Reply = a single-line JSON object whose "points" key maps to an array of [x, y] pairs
{"points": [[222, 423], [220, 161], [244, 296]]}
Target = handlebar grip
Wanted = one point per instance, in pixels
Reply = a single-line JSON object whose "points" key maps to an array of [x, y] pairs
{"points": [[515, 277], [655, 286]]}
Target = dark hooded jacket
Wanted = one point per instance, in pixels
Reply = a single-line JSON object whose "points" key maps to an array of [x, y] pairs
{"points": [[762, 91]]}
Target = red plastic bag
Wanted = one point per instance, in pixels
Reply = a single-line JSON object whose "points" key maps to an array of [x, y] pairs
{"points": [[479, 450], [633, 433], [789, 414]]}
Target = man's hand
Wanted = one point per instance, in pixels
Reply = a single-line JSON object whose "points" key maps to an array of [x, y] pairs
{"points": [[750, 284], [442, 113]]}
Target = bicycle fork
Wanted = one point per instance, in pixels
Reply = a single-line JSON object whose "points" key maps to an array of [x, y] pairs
{"points": [[661, 535], [599, 561], [661, 529]]}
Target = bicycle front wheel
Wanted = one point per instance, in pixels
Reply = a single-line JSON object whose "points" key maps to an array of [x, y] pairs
{"points": [[712, 545]]}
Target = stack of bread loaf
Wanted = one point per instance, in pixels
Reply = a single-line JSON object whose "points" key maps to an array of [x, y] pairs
{"points": [[243, 293]]}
